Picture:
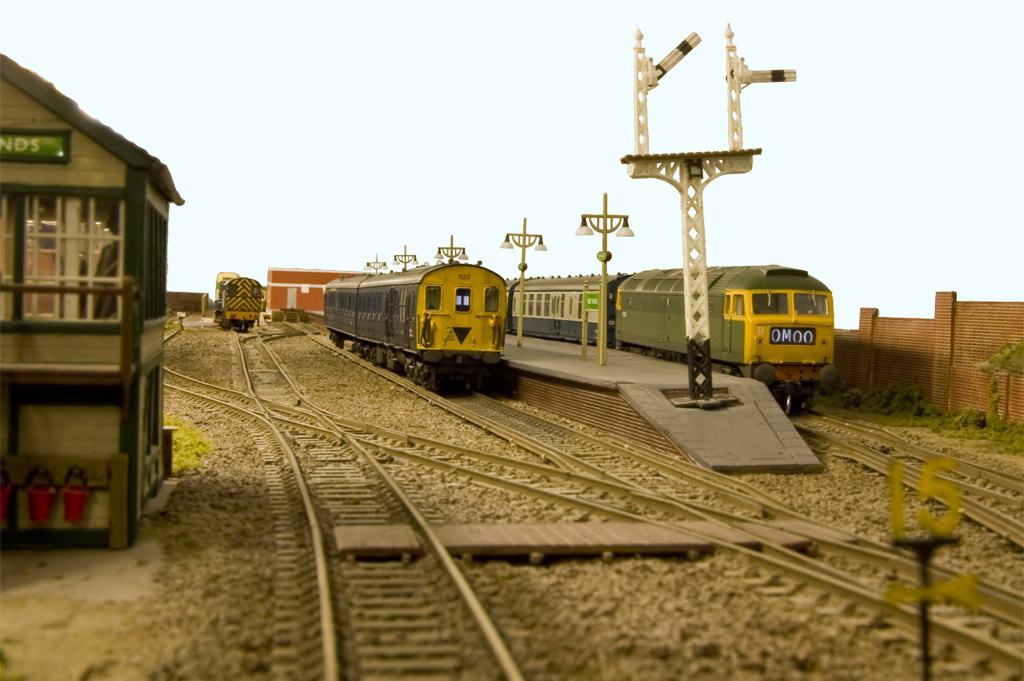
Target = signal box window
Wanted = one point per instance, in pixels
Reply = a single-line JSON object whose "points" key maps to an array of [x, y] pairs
{"points": [[810, 304], [491, 299], [462, 300], [433, 298], [69, 242], [770, 303]]}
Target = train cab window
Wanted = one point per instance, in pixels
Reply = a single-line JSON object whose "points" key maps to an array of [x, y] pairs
{"points": [[432, 299], [738, 306], [491, 296], [810, 304], [462, 300], [770, 303]]}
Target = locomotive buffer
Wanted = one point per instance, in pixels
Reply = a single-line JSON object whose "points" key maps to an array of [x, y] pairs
{"points": [[690, 173]]}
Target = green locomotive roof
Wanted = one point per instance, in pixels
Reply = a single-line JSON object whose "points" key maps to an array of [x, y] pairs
{"points": [[760, 277]]}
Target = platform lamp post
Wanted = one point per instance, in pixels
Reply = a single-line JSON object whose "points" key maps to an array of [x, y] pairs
{"points": [[375, 266], [605, 223], [451, 251], [404, 259], [522, 241]]}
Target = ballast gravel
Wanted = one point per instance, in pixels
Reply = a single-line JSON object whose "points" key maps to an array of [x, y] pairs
{"points": [[656, 619]]}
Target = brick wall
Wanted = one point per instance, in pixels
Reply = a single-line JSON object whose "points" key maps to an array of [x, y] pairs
{"points": [[180, 301], [941, 355]]}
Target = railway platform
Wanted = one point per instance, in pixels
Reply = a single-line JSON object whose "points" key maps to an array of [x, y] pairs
{"points": [[748, 434]]}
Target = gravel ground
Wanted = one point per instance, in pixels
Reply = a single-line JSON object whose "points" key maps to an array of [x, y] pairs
{"points": [[210, 599]]}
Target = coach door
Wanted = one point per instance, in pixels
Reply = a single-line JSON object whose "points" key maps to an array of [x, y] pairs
{"points": [[406, 320], [391, 324], [664, 320]]}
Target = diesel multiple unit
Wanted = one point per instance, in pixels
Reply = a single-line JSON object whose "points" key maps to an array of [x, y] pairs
{"points": [[442, 325]]}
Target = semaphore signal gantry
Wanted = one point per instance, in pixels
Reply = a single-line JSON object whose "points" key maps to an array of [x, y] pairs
{"points": [[690, 173]]}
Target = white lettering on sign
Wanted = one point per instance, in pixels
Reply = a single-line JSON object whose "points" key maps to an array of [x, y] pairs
{"points": [[785, 336], [19, 144]]}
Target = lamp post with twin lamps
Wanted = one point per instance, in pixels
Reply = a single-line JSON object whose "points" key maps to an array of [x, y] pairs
{"points": [[376, 266], [404, 259], [604, 223], [451, 251], [522, 241]]}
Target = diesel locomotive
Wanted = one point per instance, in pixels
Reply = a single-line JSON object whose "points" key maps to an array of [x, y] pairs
{"points": [[442, 325], [771, 323], [238, 302]]}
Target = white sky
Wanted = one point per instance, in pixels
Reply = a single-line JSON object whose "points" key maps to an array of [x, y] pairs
{"points": [[324, 134]]}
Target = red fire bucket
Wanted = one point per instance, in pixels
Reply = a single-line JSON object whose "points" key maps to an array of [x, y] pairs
{"points": [[40, 495], [74, 496]]}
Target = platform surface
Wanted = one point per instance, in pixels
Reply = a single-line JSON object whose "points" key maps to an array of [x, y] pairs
{"points": [[751, 435]]}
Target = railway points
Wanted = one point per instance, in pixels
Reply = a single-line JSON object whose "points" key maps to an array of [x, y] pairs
{"points": [[749, 434]]}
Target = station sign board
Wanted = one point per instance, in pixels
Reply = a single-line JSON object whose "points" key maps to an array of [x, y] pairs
{"points": [[35, 146]]}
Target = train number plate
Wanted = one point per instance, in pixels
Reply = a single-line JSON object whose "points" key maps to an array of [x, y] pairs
{"points": [[784, 336]]}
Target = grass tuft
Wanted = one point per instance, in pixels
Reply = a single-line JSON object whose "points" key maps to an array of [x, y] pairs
{"points": [[190, 446]]}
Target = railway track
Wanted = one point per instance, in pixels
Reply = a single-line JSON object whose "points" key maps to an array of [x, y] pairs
{"points": [[393, 619], [1001, 610], [991, 498]]}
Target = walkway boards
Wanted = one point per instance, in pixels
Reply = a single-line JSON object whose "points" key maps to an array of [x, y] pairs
{"points": [[750, 435], [568, 539]]}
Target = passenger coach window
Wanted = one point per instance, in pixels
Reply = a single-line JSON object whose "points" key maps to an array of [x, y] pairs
{"points": [[810, 304], [491, 299], [433, 298], [462, 300], [770, 303]]}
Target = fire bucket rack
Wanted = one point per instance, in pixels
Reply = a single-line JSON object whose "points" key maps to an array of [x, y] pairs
{"points": [[60, 493]]}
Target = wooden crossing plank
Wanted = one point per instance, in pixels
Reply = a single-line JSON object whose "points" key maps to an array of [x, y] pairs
{"points": [[376, 541], [563, 539]]}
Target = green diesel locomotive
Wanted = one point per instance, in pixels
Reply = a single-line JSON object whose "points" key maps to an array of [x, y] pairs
{"points": [[771, 323]]}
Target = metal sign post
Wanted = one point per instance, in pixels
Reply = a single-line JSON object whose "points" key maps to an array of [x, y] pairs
{"points": [[523, 241], [375, 266], [404, 259], [604, 223]]}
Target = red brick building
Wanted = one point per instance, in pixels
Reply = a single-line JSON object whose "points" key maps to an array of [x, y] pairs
{"points": [[296, 289], [940, 355]]}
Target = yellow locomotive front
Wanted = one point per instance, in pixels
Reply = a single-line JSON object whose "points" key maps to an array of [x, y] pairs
{"points": [[789, 342], [460, 314]]}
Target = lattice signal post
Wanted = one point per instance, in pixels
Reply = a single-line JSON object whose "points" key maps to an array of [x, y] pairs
{"points": [[522, 241], [690, 173]]}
